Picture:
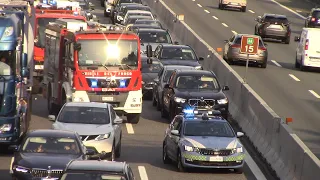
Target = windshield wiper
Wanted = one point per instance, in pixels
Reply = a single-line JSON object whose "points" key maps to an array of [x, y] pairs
{"points": [[125, 65]]}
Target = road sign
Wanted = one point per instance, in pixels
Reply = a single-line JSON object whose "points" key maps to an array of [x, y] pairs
{"points": [[249, 45]]}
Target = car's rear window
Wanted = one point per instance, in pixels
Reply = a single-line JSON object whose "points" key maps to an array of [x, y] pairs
{"points": [[316, 14], [279, 20]]}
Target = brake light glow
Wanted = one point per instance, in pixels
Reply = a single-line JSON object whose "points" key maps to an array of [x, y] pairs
{"points": [[313, 19], [306, 47], [235, 46], [262, 48]]}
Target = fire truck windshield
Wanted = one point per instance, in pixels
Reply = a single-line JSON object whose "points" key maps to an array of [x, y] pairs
{"points": [[108, 53]]}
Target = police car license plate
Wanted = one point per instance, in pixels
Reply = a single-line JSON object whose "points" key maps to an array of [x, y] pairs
{"points": [[216, 159], [107, 98]]}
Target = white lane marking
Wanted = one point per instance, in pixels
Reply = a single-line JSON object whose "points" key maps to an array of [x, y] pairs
{"points": [[285, 7], [199, 5], [251, 11], [294, 77], [206, 11], [143, 173], [224, 24], [298, 11], [254, 167], [129, 128], [215, 17], [234, 32], [10, 167], [315, 94], [276, 63], [193, 0]]}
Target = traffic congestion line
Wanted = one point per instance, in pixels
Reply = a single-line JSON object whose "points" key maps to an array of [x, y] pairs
{"points": [[199, 5], [224, 24], [129, 128], [215, 18], [251, 11], [143, 173], [314, 94], [276, 63], [294, 77], [206, 11]]}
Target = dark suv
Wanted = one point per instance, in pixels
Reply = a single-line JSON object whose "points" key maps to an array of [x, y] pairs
{"points": [[273, 26], [313, 19]]}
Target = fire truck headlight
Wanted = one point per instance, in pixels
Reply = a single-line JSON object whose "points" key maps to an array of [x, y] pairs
{"points": [[113, 51], [8, 31], [78, 99]]}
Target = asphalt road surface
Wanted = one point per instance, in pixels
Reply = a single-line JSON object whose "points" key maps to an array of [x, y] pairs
{"points": [[141, 145], [288, 91]]}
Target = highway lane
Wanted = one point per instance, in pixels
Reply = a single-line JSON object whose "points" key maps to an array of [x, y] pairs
{"points": [[141, 144], [283, 87]]}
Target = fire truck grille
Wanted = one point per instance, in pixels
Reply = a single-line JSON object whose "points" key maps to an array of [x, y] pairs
{"points": [[106, 83]]}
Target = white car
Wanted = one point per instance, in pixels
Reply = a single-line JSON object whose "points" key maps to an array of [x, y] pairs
{"points": [[138, 13], [108, 5], [96, 123]]}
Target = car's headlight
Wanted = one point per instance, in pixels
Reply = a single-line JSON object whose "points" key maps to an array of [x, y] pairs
{"points": [[20, 169], [179, 100], [102, 137], [223, 101], [5, 127], [142, 82], [190, 148], [198, 67], [237, 150], [119, 18], [151, 83], [8, 31], [78, 99]]}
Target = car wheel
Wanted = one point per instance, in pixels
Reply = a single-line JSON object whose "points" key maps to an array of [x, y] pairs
{"points": [[165, 157], [244, 9], [154, 102], [133, 118], [264, 64], [287, 40], [238, 170], [158, 104], [164, 113], [113, 154], [172, 112], [296, 64], [180, 166], [118, 150]]}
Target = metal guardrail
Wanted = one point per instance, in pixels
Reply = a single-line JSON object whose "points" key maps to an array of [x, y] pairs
{"points": [[278, 144]]}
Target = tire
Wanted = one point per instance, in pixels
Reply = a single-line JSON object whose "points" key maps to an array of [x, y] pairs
{"points": [[264, 64], [179, 163], [133, 118], [113, 154], [287, 40], [296, 64], [158, 104], [244, 9], [172, 112], [154, 102], [165, 157], [118, 150], [164, 113], [238, 170]]}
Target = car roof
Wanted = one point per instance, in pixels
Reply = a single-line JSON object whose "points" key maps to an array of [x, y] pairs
{"points": [[130, 4], [51, 133], [94, 165], [251, 35], [88, 104], [194, 72], [175, 46], [276, 15], [173, 67], [144, 17], [151, 20], [145, 26], [138, 11], [198, 118], [152, 30]]}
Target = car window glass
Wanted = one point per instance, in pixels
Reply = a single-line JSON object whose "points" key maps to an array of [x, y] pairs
{"points": [[178, 54], [92, 176], [232, 38], [155, 37], [316, 14], [200, 82], [84, 115], [279, 20], [210, 128], [238, 40], [155, 67], [177, 124]]}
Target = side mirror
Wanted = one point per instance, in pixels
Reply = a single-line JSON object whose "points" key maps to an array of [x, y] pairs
{"points": [[175, 132], [14, 148], [24, 64], [166, 86], [226, 41], [90, 152], [118, 120], [176, 43], [52, 117], [296, 38], [240, 134], [201, 58], [156, 80], [149, 61], [149, 50], [77, 46], [225, 88]]}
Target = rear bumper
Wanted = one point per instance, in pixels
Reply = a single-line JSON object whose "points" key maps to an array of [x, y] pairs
{"points": [[275, 34], [243, 57], [233, 5]]}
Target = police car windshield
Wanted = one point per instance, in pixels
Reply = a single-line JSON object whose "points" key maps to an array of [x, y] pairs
{"points": [[155, 67], [94, 175], [84, 115], [155, 37], [108, 53], [178, 53], [209, 128], [199, 82]]}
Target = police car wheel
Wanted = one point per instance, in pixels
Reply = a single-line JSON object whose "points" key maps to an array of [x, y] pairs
{"points": [[179, 164]]}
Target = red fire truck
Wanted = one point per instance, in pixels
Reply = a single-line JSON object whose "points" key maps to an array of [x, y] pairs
{"points": [[44, 15], [92, 65]]}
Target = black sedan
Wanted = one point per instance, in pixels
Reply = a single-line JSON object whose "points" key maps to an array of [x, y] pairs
{"points": [[46, 153], [149, 73], [193, 89], [171, 54]]}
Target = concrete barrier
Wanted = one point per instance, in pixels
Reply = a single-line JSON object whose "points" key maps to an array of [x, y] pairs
{"points": [[276, 142]]}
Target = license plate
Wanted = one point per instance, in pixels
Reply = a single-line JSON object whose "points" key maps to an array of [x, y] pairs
{"points": [[107, 98], [38, 67], [216, 159]]}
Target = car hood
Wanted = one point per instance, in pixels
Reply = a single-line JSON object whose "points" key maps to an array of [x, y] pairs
{"points": [[180, 62], [211, 142], [43, 160], [84, 129], [194, 93], [143, 46], [149, 77]]}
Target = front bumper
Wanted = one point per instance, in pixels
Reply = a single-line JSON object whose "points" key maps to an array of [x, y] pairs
{"points": [[195, 160], [28, 176], [223, 108]]}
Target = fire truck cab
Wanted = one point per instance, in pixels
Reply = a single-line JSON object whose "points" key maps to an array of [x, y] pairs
{"points": [[92, 65]]}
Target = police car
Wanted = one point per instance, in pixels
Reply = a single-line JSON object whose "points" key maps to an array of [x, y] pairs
{"points": [[203, 141]]}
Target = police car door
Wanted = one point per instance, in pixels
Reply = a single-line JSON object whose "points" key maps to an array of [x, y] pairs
{"points": [[173, 140]]}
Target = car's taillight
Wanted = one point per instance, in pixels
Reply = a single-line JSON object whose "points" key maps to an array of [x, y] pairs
{"points": [[306, 47], [262, 48], [235, 46], [313, 19]]}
